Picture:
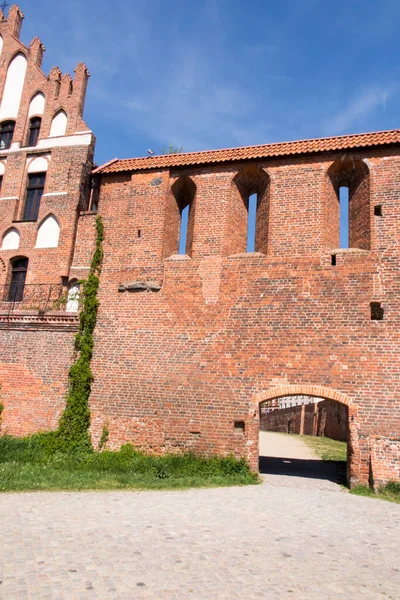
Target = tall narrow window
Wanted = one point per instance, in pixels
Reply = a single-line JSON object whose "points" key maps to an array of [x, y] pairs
{"points": [[179, 226], [250, 211], [183, 229], [347, 204], [251, 223], [34, 193], [94, 193], [6, 134], [34, 130], [344, 216], [18, 277]]}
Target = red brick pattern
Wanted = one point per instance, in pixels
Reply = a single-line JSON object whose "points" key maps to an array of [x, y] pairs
{"points": [[229, 330], [186, 367], [36, 350]]}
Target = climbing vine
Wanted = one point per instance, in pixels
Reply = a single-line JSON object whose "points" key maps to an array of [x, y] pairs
{"points": [[73, 429]]}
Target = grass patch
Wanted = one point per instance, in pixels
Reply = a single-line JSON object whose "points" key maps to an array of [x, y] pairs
{"points": [[326, 448], [27, 465], [389, 492], [332, 450]]}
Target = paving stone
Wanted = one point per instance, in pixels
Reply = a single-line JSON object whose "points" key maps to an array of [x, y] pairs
{"points": [[267, 541]]}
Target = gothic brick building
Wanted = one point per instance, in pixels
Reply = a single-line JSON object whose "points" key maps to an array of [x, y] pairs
{"points": [[194, 331]]}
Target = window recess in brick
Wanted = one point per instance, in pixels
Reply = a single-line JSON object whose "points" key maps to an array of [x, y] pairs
{"points": [[179, 218], [249, 182], [348, 171], [377, 311]]}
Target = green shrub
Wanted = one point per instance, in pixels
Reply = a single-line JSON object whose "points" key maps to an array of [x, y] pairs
{"points": [[393, 487]]}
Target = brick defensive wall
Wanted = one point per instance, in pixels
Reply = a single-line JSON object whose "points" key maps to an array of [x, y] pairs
{"points": [[185, 355], [190, 342]]}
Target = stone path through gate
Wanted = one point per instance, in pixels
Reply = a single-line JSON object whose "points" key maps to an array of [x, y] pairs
{"points": [[285, 460]]}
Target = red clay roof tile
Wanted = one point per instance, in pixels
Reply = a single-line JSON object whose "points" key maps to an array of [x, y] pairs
{"points": [[344, 142]]}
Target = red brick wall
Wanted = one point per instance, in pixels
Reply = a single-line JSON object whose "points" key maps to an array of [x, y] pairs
{"points": [[36, 350], [310, 419], [176, 369], [34, 368], [284, 420], [224, 328], [332, 420]]}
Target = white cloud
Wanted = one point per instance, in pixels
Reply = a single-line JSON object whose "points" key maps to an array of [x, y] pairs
{"points": [[359, 107]]}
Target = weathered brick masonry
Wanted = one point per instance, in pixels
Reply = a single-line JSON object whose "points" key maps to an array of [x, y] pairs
{"points": [[185, 364], [191, 363], [36, 347]]}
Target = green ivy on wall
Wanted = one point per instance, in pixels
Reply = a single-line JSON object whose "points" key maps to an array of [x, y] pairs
{"points": [[73, 429]]}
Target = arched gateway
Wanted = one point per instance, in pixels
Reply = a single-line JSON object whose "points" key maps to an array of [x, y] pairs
{"points": [[354, 475]]}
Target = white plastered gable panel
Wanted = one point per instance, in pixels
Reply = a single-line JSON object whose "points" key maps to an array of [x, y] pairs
{"points": [[13, 88], [39, 164], [59, 124], [36, 107], [48, 233], [11, 239]]}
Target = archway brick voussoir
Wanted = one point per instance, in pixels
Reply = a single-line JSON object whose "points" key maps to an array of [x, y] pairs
{"points": [[303, 390]]}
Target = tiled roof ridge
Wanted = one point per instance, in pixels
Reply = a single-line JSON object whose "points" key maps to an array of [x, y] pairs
{"points": [[305, 146]]}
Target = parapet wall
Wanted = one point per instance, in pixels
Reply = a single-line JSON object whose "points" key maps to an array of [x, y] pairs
{"points": [[188, 360]]}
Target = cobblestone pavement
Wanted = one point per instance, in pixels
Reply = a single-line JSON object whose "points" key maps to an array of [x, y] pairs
{"points": [[268, 541]]}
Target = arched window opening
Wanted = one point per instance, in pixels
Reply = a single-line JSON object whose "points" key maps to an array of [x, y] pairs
{"points": [[73, 296], [33, 196], [251, 210], [95, 181], [183, 229], [19, 268], [347, 217], [251, 224], [48, 233], [11, 239], [180, 217], [344, 216], [34, 130], [6, 134]]}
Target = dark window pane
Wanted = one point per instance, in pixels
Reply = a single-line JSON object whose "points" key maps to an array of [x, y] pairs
{"points": [[18, 276], [1, 182], [6, 134], [34, 130], [33, 196]]}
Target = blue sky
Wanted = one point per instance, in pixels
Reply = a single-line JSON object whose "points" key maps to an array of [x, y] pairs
{"points": [[220, 73]]}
